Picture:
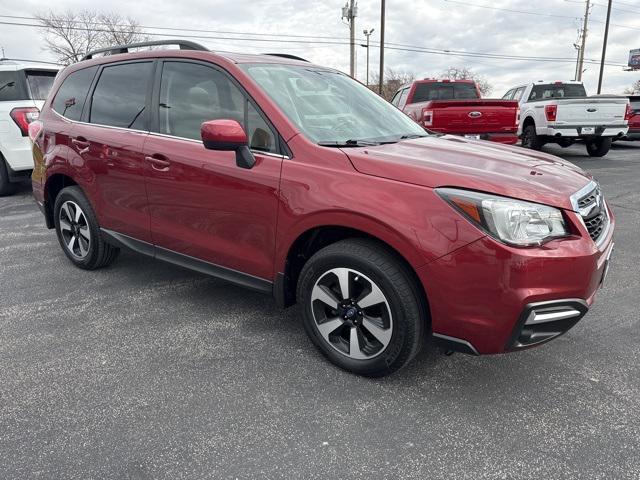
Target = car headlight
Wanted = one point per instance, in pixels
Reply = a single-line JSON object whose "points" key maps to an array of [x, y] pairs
{"points": [[511, 221]]}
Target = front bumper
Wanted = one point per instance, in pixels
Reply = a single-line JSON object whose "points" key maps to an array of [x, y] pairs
{"points": [[488, 297]]}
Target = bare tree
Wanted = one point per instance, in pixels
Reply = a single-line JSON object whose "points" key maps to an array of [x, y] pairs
{"points": [[393, 80], [634, 89], [72, 34], [464, 73]]}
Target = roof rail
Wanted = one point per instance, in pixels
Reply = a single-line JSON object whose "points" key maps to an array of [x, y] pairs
{"points": [[286, 55], [183, 44]]}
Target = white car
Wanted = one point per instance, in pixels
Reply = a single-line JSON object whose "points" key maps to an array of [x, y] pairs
{"points": [[561, 112], [23, 89]]}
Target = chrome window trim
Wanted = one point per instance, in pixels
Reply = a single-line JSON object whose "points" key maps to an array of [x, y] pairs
{"points": [[113, 127], [156, 134], [193, 140]]}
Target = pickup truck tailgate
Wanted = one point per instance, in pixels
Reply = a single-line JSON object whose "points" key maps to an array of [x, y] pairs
{"points": [[591, 112], [473, 116]]}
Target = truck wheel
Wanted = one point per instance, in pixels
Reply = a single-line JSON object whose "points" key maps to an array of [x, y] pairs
{"points": [[6, 187], [530, 138], [599, 147], [361, 307], [79, 233]]}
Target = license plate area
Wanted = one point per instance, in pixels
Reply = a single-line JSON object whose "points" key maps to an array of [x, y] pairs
{"points": [[587, 130], [472, 136]]}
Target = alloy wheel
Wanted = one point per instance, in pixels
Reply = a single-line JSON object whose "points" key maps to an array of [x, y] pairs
{"points": [[74, 229], [351, 313]]}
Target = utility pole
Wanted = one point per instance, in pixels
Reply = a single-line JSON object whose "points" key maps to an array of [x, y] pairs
{"points": [[604, 47], [367, 33], [584, 41], [381, 75], [350, 11]]}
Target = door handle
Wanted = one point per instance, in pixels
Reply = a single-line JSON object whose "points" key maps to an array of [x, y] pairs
{"points": [[81, 144], [160, 164]]}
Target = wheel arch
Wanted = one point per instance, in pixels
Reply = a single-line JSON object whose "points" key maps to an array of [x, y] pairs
{"points": [[52, 188], [315, 238]]}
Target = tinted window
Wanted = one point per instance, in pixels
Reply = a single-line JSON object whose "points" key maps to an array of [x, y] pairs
{"points": [[40, 83], [443, 91], [557, 90], [72, 94], [9, 87], [635, 105], [120, 96], [191, 94]]}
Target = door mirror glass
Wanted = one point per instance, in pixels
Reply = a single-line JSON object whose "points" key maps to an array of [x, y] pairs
{"points": [[228, 135]]}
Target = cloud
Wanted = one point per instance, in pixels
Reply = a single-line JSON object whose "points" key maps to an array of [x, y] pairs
{"points": [[438, 24]]}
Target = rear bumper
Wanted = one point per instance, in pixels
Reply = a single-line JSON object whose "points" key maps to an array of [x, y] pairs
{"points": [[18, 155], [499, 137], [632, 134], [491, 298], [575, 131]]}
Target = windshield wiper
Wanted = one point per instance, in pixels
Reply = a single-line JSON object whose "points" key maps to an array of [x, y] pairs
{"points": [[349, 143], [412, 135]]}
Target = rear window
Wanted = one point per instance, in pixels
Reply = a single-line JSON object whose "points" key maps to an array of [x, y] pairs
{"points": [[557, 90], [444, 91], [635, 105], [40, 83], [119, 98], [10, 88], [72, 94]]}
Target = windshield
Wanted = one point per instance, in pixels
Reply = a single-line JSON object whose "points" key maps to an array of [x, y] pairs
{"points": [[40, 83], [444, 91], [557, 90], [331, 108]]}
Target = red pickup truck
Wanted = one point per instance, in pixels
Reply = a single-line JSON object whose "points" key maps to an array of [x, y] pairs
{"points": [[455, 107]]}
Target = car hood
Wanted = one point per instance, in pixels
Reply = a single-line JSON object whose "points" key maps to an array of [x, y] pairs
{"points": [[439, 161]]}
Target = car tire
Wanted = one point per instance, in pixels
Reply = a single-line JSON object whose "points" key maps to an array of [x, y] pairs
{"points": [[381, 319], [79, 232], [6, 187], [598, 147], [530, 138]]}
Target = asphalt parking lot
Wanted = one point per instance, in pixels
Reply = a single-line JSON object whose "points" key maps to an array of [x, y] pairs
{"points": [[147, 371]]}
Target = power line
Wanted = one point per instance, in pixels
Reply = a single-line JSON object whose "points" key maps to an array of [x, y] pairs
{"points": [[389, 46], [525, 12]]}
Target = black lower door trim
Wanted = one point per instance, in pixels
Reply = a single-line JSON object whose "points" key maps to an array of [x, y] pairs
{"points": [[185, 261]]}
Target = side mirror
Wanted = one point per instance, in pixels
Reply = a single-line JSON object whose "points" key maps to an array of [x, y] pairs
{"points": [[228, 135]]}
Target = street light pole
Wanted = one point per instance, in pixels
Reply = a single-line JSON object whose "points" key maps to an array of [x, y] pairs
{"points": [[367, 33], [381, 75], [604, 47]]}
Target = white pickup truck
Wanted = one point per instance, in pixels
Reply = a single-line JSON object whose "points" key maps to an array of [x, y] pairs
{"points": [[23, 89], [561, 112]]}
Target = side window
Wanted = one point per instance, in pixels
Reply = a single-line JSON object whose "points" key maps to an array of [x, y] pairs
{"points": [[191, 93], [119, 98], [403, 97], [508, 95], [518, 94], [260, 136], [9, 87], [72, 94], [396, 98]]}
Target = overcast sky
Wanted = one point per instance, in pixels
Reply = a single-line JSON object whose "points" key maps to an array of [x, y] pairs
{"points": [[439, 24]]}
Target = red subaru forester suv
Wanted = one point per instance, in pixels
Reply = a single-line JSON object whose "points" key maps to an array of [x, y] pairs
{"points": [[295, 180]]}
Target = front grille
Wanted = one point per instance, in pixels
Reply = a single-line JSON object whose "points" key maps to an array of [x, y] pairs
{"points": [[592, 208], [595, 226], [586, 201]]}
